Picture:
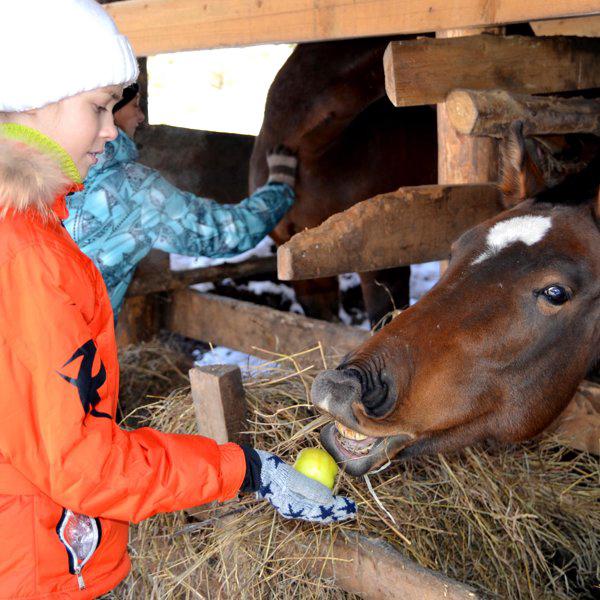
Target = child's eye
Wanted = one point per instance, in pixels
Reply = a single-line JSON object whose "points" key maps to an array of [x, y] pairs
{"points": [[100, 109]]}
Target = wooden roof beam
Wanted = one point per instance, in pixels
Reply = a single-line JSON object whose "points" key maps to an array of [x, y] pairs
{"points": [[157, 26]]}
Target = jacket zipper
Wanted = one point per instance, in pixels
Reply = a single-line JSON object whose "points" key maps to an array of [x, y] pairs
{"points": [[77, 560]]}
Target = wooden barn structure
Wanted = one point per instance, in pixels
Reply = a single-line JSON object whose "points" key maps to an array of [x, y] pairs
{"points": [[479, 83], [425, 219]]}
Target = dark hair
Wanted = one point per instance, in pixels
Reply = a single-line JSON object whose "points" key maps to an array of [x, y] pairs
{"points": [[129, 93]]}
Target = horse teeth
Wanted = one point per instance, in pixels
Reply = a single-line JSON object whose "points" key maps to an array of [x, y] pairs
{"points": [[349, 433]]}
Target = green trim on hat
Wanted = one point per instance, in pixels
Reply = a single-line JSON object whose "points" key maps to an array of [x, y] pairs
{"points": [[39, 141]]}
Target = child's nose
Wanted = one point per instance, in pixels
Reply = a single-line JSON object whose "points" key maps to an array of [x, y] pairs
{"points": [[110, 131]]}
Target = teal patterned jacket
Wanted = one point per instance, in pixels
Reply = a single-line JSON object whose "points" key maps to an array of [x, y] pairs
{"points": [[127, 209]]}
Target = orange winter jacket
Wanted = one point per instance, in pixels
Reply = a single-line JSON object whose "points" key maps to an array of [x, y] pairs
{"points": [[70, 479]]}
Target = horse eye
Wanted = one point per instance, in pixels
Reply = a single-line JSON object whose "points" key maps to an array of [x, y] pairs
{"points": [[556, 294]]}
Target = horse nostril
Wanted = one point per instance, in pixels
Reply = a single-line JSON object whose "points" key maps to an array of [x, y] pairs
{"points": [[378, 397]]}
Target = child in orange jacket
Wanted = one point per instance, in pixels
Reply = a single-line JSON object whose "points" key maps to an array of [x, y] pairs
{"points": [[70, 479]]}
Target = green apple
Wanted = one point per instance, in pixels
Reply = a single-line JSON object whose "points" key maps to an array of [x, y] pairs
{"points": [[317, 464]]}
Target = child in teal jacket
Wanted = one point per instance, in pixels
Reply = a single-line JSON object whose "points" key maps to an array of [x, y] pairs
{"points": [[126, 209]]}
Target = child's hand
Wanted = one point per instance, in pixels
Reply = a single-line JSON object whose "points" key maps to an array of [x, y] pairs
{"points": [[296, 496], [283, 164]]}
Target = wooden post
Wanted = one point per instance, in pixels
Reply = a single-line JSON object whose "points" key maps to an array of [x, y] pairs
{"points": [[141, 317], [220, 407], [463, 159], [219, 402]]}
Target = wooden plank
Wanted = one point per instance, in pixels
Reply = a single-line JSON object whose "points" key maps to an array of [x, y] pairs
{"points": [[219, 402], [581, 26], [245, 326], [490, 113], [374, 570], [161, 281], [156, 26], [411, 225], [417, 71]]}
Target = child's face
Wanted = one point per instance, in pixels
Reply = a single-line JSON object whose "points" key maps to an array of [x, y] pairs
{"points": [[81, 124], [130, 117]]}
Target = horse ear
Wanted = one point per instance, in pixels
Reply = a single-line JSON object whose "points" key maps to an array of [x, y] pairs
{"points": [[520, 177]]}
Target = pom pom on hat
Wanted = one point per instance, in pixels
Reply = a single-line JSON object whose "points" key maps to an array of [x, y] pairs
{"points": [[54, 49]]}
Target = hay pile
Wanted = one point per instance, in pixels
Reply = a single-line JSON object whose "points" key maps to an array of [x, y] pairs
{"points": [[518, 523]]}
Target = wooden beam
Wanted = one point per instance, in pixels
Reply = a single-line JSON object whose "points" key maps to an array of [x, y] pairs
{"points": [[411, 225], [425, 71], [162, 281], [580, 26], [490, 113], [245, 326], [374, 570], [156, 26]]}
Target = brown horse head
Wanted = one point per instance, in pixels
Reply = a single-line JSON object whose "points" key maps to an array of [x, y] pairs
{"points": [[495, 351]]}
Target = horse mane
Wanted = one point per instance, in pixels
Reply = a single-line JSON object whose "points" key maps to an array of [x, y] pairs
{"points": [[576, 189]]}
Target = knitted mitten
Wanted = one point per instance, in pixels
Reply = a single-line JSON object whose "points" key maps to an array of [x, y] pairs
{"points": [[296, 496], [282, 165]]}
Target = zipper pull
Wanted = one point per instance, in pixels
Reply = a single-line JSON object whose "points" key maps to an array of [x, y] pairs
{"points": [[80, 580]]}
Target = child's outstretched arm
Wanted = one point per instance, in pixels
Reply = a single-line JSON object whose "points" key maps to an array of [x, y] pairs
{"points": [[58, 389], [187, 224]]}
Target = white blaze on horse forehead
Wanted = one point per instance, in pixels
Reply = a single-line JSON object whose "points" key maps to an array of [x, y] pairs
{"points": [[528, 229]]}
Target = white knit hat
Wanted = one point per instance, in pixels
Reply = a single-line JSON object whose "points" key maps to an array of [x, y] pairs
{"points": [[54, 49]]}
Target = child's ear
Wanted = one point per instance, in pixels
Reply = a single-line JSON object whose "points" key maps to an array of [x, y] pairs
{"points": [[520, 176]]}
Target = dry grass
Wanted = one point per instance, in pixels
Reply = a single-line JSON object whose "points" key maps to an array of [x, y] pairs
{"points": [[523, 522]]}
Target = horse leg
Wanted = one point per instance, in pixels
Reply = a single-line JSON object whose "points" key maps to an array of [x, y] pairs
{"points": [[319, 297], [384, 291]]}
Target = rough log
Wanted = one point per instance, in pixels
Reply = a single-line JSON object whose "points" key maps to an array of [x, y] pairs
{"points": [[425, 71], [490, 113], [162, 281], [374, 570], [245, 326], [156, 26], [581, 26], [412, 225]]}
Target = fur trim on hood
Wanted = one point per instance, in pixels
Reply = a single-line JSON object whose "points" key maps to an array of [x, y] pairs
{"points": [[29, 178]]}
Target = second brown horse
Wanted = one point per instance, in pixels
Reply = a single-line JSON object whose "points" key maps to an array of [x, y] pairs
{"points": [[328, 103]]}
